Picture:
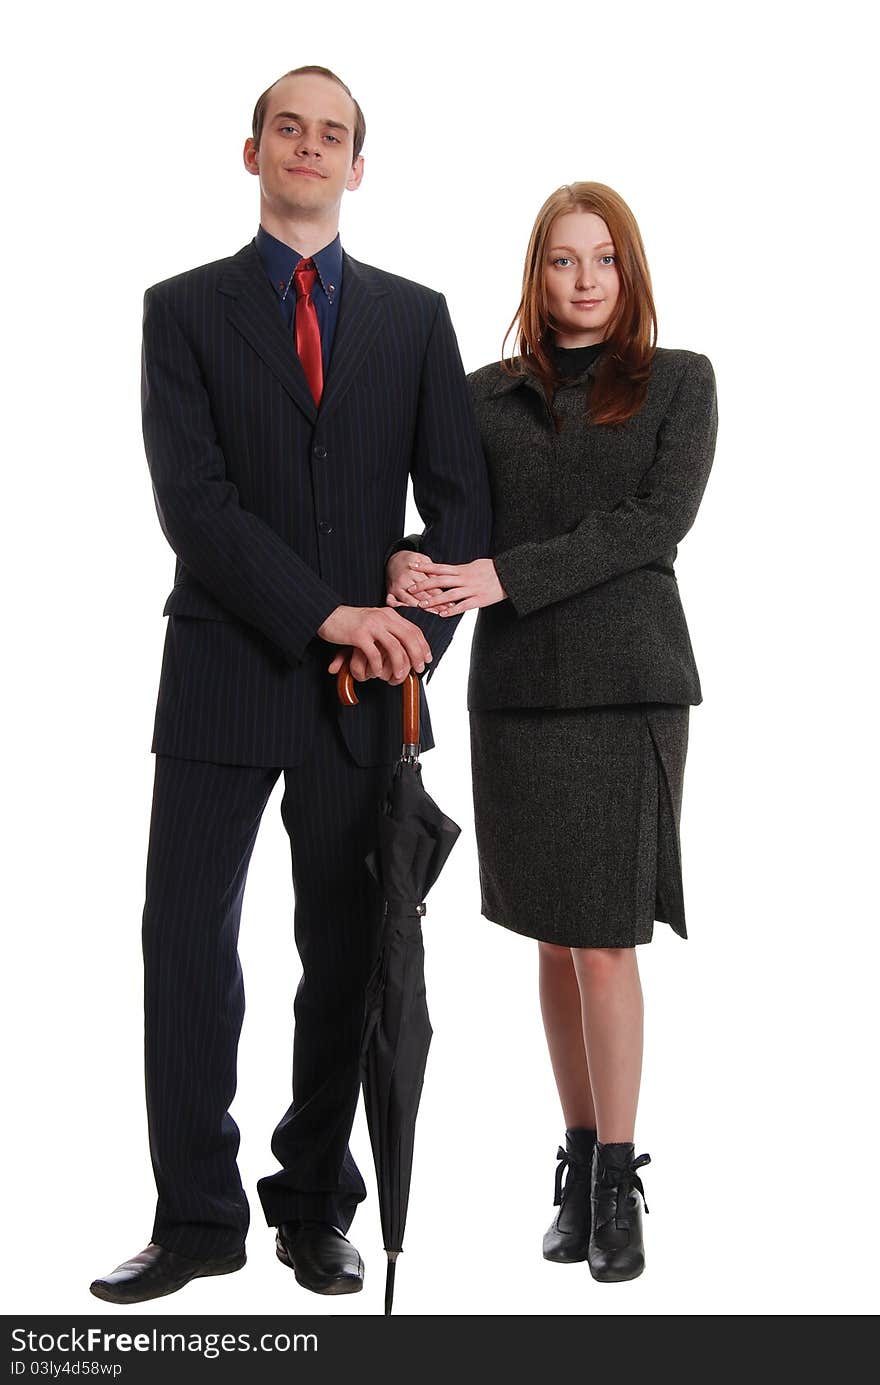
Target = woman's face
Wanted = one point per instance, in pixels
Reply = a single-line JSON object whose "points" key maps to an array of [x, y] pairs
{"points": [[580, 278]]}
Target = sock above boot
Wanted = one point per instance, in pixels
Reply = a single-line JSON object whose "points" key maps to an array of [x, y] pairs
{"points": [[616, 1156], [581, 1142]]}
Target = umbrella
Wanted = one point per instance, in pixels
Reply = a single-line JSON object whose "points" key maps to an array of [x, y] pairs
{"points": [[413, 842]]}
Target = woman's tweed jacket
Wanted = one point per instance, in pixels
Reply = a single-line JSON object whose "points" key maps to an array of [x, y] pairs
{"points": [[586, 526]]}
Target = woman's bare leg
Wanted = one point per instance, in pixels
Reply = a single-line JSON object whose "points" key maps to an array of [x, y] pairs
{"points": [[613, 1021], [564, 1028]]}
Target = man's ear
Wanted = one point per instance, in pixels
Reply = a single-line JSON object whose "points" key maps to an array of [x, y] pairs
{"points": [[356, 174], [251, 156]]}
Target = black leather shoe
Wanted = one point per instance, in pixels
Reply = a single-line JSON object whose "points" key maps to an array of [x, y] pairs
{"points": [[567, 1239], [157, 1271], [320, 1257], [617, 1249]]}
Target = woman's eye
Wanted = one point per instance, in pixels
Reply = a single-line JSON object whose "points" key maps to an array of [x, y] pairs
{"points": [[609, 257], [562, 260]]}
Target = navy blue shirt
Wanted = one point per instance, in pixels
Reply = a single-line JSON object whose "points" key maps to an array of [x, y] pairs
{"points": [[280, 261]]}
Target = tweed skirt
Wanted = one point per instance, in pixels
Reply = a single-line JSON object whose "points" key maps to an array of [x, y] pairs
{"points": [[577, 814]]}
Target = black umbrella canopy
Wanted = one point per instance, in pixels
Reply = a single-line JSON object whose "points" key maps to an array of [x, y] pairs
{"points": [[414, 839]]}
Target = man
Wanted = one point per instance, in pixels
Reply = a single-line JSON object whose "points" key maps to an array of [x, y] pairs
{"points": [[288, 392]]}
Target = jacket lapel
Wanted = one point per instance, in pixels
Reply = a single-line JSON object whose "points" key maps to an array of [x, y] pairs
{"points": [[252, 308], [513, 382], [361, 317]]}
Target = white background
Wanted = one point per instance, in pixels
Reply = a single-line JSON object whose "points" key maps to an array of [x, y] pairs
{"points": [[737, 134]]}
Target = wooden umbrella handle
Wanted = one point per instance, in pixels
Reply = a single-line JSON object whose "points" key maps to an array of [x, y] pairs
{"points": [[411, 709], [349, 698], [345, 687]]}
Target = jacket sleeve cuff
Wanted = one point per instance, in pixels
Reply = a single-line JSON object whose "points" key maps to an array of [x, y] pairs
{"points": [[413, 542], [325, 610], [513, 573]]}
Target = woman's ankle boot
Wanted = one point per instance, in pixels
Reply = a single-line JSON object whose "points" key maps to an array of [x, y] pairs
{"points": [[617, 1249], [567, 1239]]}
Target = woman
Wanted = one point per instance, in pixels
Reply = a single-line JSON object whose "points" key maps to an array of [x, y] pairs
{"points": [[599, 445]]}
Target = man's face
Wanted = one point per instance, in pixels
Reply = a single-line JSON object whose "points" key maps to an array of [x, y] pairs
{"points": [[580, 277], [304, 162]]}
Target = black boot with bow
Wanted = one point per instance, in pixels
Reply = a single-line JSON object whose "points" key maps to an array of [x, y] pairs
{"points": [[567, 1239], [617, 1249]]}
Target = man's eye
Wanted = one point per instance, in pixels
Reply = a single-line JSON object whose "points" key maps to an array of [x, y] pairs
{"points": [[290, 127], [333, 137]]}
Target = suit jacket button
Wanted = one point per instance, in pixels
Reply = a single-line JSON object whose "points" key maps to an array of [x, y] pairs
{"points": [[320, 451], [325, 528]]}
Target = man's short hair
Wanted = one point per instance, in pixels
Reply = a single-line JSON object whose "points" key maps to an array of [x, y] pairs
{"points": [[360, 125]]}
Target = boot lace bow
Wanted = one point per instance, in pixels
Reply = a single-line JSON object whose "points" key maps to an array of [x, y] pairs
{"points": [[570, 1166], [623, 1182]]}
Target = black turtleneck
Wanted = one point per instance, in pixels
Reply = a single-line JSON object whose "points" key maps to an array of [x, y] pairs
{"points": [[572, 360]]}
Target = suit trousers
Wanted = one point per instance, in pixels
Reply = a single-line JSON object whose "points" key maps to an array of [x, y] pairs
{"points": [[203, 828]]}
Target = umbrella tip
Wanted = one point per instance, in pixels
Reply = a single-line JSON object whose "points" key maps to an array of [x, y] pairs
{"points": [[389, 1280]]}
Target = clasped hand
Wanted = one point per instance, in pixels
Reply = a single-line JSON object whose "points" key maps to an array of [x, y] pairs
{"points": [[446, 589], [379, 643]]}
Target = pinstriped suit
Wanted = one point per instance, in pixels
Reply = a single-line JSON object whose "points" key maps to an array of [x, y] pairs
{"points": [[278, 512]]}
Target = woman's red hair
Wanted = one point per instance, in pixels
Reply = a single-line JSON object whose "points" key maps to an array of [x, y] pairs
{"points": [[621, 380]]}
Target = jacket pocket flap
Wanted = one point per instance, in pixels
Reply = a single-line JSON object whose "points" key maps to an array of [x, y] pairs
{"points": [[186, 600]]}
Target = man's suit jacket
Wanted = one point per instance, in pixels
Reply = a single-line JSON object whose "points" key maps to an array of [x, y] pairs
{"points": [[587, 522], [279, 511]]}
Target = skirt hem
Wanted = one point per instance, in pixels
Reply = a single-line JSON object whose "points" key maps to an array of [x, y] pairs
{"points": [[524, 932]]}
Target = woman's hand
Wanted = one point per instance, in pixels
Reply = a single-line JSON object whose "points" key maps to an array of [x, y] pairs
{"points": [[450, 588], [399, 575]]}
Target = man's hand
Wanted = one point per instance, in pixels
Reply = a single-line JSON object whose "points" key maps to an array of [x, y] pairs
{"points": [[399, 573], [382, 643], [447, 589]]}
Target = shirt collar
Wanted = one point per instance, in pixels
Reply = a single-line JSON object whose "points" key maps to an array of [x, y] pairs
{"points": [[525, 377], [280, 260]]}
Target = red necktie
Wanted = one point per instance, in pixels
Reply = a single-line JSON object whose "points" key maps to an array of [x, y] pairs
{"points": [[308, 333]]}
